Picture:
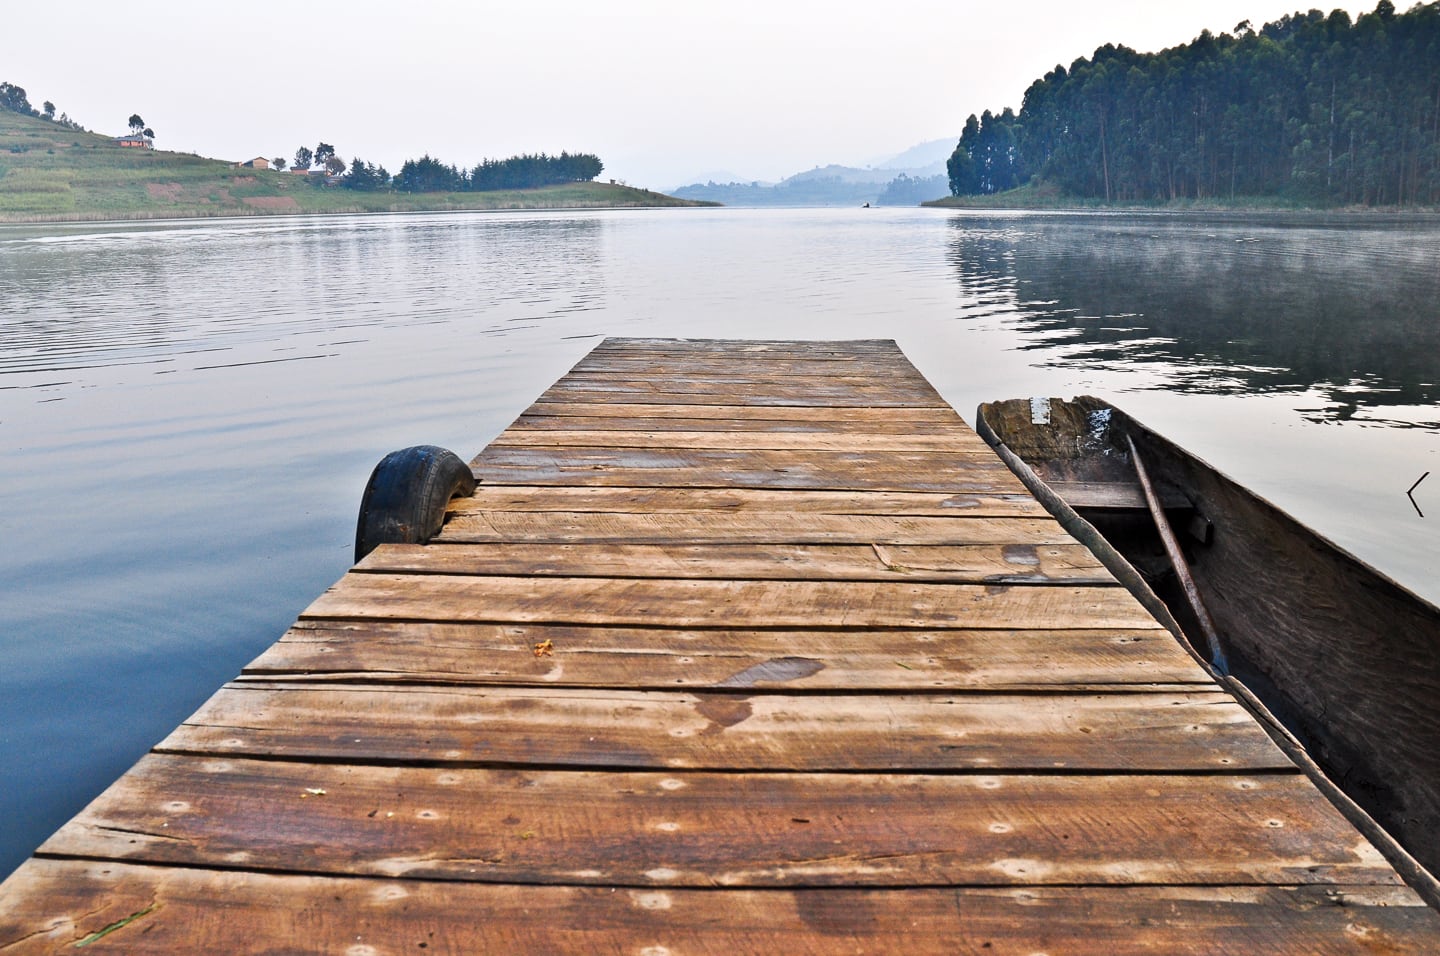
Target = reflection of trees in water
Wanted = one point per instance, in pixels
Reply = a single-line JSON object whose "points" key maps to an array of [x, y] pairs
{"points": [[1352, 313]]}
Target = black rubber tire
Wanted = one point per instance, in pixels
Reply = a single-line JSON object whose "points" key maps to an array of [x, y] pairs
{"points": [[405, 501]]}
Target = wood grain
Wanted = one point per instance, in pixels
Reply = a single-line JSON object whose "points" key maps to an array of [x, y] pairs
{"points": [[815, 416], [975, 564], [754, 527], [213, 911], [737, 500], [951, 473], [657, 829], [642, 392], [702, 603], [764, 441], [618, 657], [729, 731]]}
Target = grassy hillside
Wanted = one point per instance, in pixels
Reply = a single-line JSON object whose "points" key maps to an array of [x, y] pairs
{"points": [[48, 172]]}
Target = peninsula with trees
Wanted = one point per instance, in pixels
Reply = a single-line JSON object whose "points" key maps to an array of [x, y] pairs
{"points": [[53, 169], [1312, 110]]}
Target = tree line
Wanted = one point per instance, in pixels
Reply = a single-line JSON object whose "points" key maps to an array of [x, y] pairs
{"points": [[1314, 107], [529, 171], [16, 100], [426, 174]]}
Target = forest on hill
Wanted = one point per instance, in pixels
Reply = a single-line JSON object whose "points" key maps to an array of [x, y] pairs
{"points": [[518, 172], [1313, 108]]}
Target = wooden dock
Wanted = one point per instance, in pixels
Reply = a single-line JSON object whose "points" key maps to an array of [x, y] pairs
{"points": [[739, 647]]}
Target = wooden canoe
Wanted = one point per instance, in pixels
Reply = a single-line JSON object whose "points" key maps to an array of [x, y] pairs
{"points": [[1347, 659]]}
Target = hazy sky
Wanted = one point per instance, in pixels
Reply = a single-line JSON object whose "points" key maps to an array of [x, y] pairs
{"points": [[662, 92]]}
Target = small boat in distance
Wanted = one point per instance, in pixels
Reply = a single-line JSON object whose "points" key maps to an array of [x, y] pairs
{"points": [[1347, 659]]}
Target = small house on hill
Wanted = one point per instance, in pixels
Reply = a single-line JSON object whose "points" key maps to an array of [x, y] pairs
{"points": [[259, 162], [134, 141]]}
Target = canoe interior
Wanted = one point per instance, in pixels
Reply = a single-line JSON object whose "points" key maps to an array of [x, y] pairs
{"points": [[1347, 658]]}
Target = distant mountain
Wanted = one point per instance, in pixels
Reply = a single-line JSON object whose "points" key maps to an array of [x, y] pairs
{"points": [[932, 153], [907, 178], [831, 191], [845, 174], [720, 176]]}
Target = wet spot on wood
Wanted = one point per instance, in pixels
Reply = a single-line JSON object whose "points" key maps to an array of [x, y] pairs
{"points": [[775, 670], [1024, 554], [723, 712], [960, 501]]}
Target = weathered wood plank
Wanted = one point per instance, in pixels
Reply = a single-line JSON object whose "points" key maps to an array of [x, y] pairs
{"points": [[666, 830], [701, 603], [789, 372], [708, 468], [766, 355], [819, 415], [752, 349], [736, 441], [755, 527], [860, 461], [741, 378], [974, 564], [644, 730], [556, 421], [53, 904], [668, 659], [735, 500], [1113, 494], [641, 392]]}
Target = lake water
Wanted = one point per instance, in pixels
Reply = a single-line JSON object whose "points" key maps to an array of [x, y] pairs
{"points": [[189, 411]]}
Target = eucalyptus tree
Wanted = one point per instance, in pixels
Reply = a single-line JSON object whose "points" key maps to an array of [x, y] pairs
{"points": [[1313, 106]]}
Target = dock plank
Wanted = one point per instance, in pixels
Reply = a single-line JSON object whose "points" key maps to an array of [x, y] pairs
{"points": [[594, 555], [764, 441], [211, 910], [712, 468], [596, 418], [758, 527], [797, 660], [823, 417], [1194, 730], [664, 830], [727, 603], [838, 395], [663, 499]]}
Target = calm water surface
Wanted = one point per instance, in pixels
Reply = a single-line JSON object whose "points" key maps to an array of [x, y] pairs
{"points": [[189, 411]]}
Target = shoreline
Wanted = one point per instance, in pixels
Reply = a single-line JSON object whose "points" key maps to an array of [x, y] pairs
{"points": [[421, 204], [173, 216], [51, 174], [1238, 208]]}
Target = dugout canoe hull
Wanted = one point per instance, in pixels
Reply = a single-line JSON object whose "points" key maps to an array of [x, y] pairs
{"points": [[1345, 657]]}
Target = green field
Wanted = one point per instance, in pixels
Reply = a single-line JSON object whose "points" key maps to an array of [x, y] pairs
{"points": [[49, 172]]}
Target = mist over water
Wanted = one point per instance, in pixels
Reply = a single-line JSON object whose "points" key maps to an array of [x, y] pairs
{"points": [[189, 411], [1345, 310]]}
